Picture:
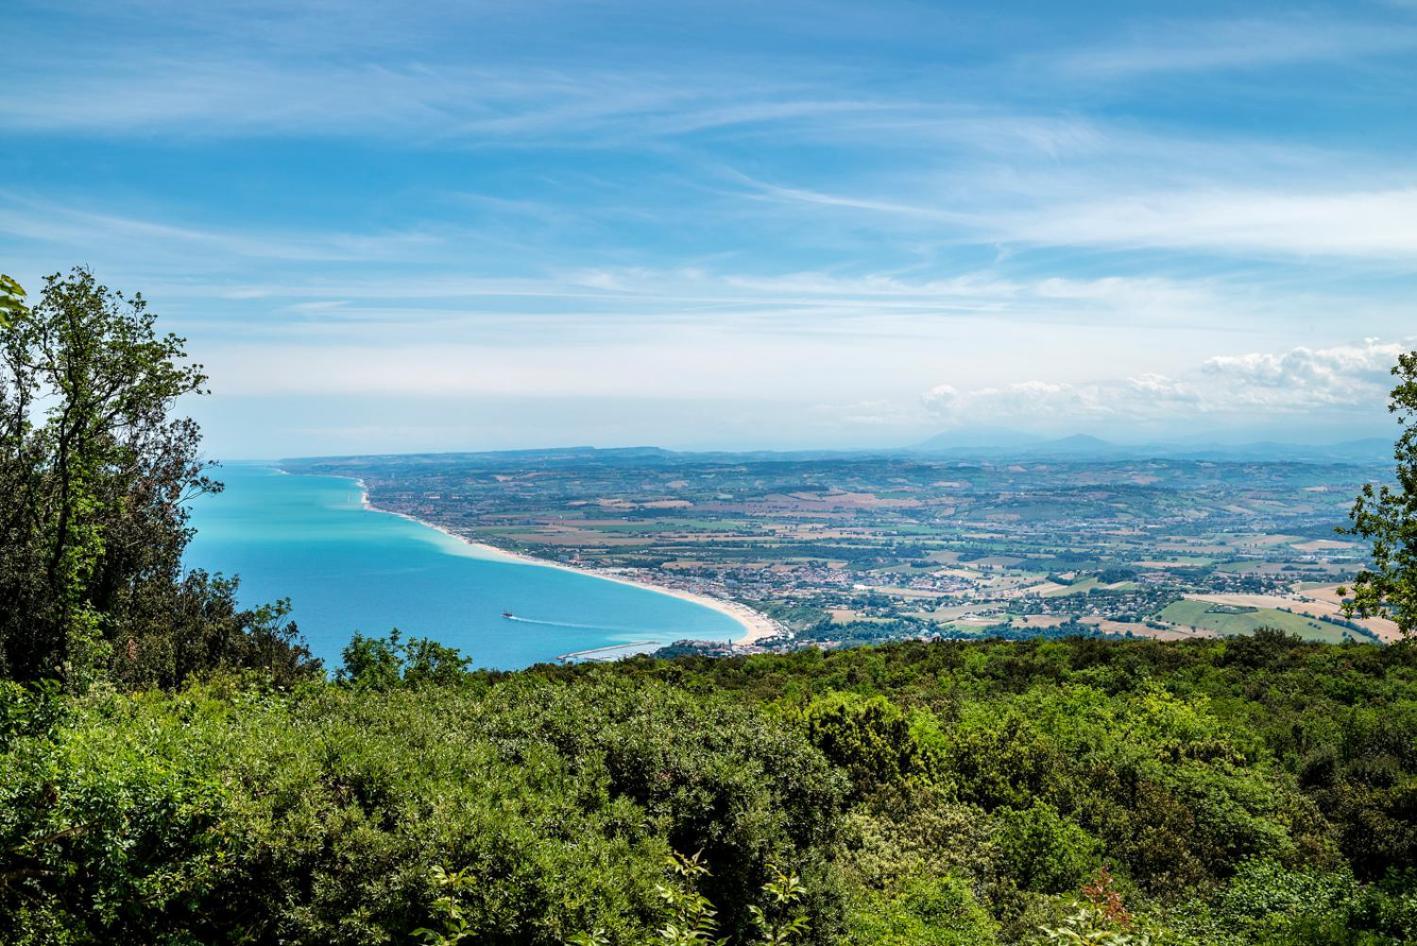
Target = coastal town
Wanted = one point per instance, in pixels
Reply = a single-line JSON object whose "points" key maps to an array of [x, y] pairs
{"points": [[841, 550]]}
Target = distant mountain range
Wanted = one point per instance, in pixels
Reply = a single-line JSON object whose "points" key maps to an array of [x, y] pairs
{"points": [[992, 445], [1013, 444]]}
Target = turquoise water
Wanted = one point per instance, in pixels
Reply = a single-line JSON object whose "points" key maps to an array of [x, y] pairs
{"points": [[347, 568]]}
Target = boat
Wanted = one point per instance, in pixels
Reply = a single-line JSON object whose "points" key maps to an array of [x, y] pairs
{"points": [[508, 615]]}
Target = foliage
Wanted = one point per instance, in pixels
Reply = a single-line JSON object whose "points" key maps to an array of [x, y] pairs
{"points": [[782, 921], [1243, 793], [940, 911], [380, 663], [1089, 926], [1042, 851], [456, 927], [1264, 898], [868, 737], [1031, 763], [1098, 919], [1387, 517], [236, 812], [692, 919], [96, 474], [12, 301]]}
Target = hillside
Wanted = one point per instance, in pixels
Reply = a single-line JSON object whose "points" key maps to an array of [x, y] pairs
{"points": [[1256, 790]]}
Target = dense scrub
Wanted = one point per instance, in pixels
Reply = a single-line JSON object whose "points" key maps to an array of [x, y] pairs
{"points": [[238, 814], [1251, 791]]}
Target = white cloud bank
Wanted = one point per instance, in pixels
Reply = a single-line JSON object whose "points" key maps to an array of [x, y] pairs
{"points": [[1340, 378]]}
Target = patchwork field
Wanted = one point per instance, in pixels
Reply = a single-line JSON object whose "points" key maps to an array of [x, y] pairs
{"points": [[1229, 620], [859, 548], [1319, 601]]}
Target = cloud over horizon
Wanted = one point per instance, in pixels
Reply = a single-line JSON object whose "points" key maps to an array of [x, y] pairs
{"points": [[1350, 378]]}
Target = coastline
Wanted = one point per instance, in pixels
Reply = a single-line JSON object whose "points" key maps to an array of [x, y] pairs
{"points": [[756, 625]]}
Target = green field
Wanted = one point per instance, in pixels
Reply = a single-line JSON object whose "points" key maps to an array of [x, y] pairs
{"points": [[1237, 567], [1216, 618], [1089, 584]]}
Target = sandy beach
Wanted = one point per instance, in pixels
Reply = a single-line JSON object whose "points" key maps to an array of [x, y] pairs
{"points": [[756, 626]]}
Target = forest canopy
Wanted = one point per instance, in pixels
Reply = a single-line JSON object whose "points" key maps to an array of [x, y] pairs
{"points": [[1248, 791]]}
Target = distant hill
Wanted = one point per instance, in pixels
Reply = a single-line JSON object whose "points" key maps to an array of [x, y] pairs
{"points": [[1088, 447], [993, 438], [972, 444], [1076, 445]]}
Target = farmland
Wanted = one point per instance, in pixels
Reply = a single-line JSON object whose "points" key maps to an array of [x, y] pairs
{"points": [[853, 548]]}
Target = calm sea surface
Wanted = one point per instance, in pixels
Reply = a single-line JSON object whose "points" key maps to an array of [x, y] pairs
{"points": [[346, 568]]}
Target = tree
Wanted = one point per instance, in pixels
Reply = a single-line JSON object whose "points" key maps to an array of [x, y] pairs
{"points": [[869, 737], [1387, 517], [374, 663], [97, 473], [382, 663]]}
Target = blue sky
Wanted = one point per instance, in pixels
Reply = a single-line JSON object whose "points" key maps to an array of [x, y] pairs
{"points": [[478, 225]]}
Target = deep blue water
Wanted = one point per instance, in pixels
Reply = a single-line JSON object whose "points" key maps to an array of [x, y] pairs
{"points": [[347, 568]]}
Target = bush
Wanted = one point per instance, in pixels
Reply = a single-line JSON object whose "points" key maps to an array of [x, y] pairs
{"points": [[235, 813], [1042, 851], [923, 911], [869, 737]]}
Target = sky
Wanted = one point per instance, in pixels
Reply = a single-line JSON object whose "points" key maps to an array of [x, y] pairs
{"points": [[390, 227]]}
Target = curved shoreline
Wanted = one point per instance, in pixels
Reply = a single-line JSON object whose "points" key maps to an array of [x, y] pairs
{"points": [[756, 625]]}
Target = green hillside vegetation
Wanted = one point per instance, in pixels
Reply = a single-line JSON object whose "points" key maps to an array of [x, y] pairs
{"points": [[1255, 790], [1229, 621]]}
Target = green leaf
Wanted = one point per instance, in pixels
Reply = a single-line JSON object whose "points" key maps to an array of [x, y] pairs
{"points": [[12, 295]]}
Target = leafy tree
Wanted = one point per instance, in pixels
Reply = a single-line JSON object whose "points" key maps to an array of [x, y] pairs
{"points": [[195, 625], [382, 663], [96, 473], [452, 916], [783, 922], [922, 911], [1041, 850], [692, 921], [869, 737], [1387, 517], [429, 663], [374, 663]]}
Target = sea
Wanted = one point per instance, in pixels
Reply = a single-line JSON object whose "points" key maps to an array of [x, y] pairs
{"points": [[348, 568]]}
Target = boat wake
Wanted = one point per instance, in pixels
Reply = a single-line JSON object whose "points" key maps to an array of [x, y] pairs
{"points": [[578, 627]]}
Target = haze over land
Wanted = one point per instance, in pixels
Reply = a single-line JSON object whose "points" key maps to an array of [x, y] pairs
{"points": [[805, 225]]}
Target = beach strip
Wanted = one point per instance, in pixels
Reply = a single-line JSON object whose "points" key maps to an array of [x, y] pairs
{"points": [[756, 625]]}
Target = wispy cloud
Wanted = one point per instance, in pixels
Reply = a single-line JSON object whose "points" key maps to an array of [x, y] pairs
{"points": [[60, 224], [1378, 224], [809, 202], [1309, 221], [428, 104], [1234, 44]]}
